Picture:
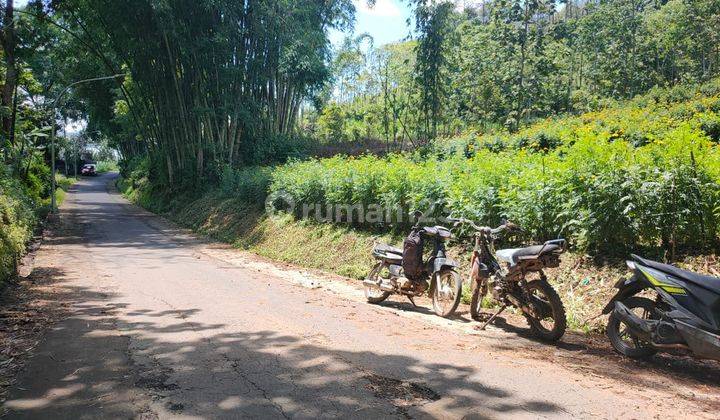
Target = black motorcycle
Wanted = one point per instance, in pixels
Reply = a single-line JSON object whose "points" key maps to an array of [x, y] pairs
{"points": [[504, 273], [685, 312], [405, 271]]}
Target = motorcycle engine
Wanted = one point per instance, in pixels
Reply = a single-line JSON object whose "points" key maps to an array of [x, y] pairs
{"points": [[497, 286], [406, 284], [666, 333]]}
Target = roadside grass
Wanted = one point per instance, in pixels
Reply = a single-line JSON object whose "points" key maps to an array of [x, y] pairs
{"points": [[106, 166], [333, 248], [63, 184]]}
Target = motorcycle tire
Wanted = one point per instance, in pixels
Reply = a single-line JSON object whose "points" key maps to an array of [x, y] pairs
{"points": [[635, 349], [551, 298], [454, 286], [373, 295]]}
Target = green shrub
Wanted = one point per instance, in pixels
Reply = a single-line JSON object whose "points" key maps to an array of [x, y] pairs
{"points": [[279, 148], [107, 166], [250, 183], [610, 181], [17, 219], [710, 125]]}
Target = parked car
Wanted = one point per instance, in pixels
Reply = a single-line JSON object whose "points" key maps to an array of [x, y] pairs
{"points": [[88, 170]]}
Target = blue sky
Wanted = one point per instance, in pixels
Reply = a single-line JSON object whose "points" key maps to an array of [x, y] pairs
{"points": [[386, 22]]}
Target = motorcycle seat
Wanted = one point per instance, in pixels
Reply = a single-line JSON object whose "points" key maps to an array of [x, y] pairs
{"points": [[388, 253], [514, 255], [387, 249], [708, 282], [441, 231]]}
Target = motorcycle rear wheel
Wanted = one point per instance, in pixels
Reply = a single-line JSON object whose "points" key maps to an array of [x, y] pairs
{"points": [[372, 294], [546, 294], [447, 292], [621, 339]]}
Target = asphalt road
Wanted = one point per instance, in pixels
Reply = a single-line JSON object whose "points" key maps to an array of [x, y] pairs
{"points": [[157, 328]]}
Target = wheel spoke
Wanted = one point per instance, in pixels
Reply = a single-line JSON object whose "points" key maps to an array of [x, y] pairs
{"points": [[623, 332]]}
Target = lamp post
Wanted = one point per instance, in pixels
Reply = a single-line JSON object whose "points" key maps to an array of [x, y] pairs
{"points": [[53, 207]]}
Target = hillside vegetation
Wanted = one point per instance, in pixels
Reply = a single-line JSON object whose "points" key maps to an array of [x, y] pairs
{"points": [[643, 174], [16, 222]]}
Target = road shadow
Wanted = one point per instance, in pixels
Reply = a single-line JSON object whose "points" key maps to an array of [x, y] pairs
{"points": [[83, 369]]}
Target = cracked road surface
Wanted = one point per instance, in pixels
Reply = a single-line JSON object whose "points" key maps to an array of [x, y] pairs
{"points": [[155, 328]]}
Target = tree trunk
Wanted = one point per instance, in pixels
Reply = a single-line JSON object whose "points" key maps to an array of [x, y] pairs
{"points": [[8, 90]]}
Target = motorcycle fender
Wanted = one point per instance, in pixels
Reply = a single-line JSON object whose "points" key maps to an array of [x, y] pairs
{"points": [[626, 288], [438, 265], [441, 263]]}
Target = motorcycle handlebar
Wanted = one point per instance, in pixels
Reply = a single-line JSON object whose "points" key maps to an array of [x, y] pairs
{"points": [[486, 229], [460, 221]]}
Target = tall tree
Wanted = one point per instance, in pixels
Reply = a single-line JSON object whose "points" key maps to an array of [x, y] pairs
{"points": [[7, 96]]}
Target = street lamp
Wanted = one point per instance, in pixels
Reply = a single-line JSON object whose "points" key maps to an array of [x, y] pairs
{"points": [[53, 207]]}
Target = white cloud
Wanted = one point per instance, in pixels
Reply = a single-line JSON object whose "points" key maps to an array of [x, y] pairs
{"points": [[461, 5], [382, 8]]}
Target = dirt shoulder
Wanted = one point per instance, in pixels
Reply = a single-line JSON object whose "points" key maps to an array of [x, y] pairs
{"points": [[36, 300], [590, 355]]}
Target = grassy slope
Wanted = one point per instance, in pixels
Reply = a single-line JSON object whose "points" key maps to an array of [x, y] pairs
{"points": [[327, 247]]}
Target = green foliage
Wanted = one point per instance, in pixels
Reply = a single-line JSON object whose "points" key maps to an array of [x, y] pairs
{"points": [[63, 182], [107, 166], [434, 22], [278, 148], [508, 63], [246, 70], [17, 219], [331, 123], [587, 178], [249, 184]]}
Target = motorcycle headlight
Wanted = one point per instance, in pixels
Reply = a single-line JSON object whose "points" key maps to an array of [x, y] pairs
{"points": [[630, 265]]}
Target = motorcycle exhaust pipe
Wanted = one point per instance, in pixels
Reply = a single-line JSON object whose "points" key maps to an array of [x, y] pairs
{"points": [[638, 326], [703, 343], [518, 304], [385, 287]]}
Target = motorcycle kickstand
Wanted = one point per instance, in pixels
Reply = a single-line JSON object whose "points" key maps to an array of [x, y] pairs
{"points": [[492, 318], [410, 298]]}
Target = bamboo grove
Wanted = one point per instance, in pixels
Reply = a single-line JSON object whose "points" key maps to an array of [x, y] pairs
{"points": [[209, 82]]}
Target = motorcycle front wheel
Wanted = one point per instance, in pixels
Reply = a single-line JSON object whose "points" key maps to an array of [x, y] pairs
{"points": [[447, 292], [478, 293], [372, 294], [550, 323]]}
